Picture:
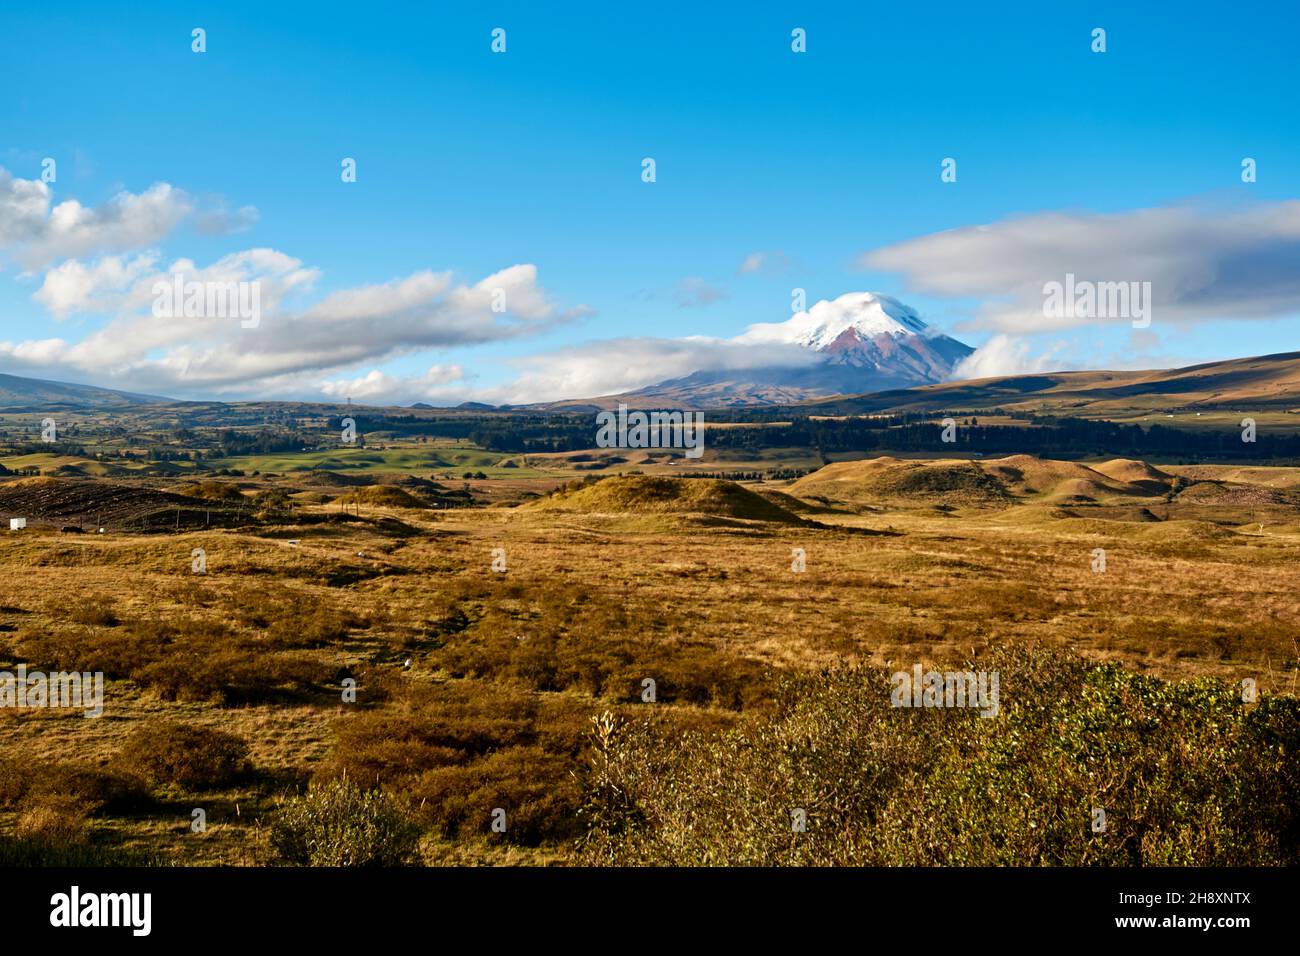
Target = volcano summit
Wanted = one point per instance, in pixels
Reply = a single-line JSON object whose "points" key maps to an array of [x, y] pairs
{"points": [[859, 342]]}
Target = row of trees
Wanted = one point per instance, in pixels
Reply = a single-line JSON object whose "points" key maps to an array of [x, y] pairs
{"points": [[557, 433]]}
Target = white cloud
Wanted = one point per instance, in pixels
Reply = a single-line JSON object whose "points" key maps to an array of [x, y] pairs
{"points": [[24, 207], [439, 383], [619, 365], [119, 285], [292, 346], [37, 352], [127, 221], [763, 263], [1005, 355], [74, 286], [1203, 263], [37, 233]]}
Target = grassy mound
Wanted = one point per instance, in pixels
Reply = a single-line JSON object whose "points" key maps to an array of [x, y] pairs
{"points": [[795, 505], [1131, 472], [214, 491], [67, 501], [381, 496], [1079, 489], [1266, 476], [1223, 493], [644, 494], [1024, 475], [324, 478], [889, 479], [981, 483]]}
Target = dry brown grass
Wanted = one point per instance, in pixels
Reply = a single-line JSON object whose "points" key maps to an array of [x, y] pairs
{"points": [[505, 668]]}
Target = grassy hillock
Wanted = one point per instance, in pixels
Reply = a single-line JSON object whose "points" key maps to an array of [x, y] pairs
{"points": [[381, 496], [879, 480], [643, 494]]}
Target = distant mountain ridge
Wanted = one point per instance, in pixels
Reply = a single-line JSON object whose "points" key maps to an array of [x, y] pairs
{"points": [[34, 394], [1265, 383], [1262, 382]]}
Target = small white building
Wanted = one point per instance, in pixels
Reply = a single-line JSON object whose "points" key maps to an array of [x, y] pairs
{"points": [[17, 523]]}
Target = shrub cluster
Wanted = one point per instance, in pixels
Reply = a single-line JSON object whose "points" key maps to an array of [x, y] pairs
{"points": [[184, 655], [192, 758], [337, 823], [1186, 774]]}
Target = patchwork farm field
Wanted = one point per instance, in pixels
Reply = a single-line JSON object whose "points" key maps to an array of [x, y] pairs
{"points": [[487, 667]]}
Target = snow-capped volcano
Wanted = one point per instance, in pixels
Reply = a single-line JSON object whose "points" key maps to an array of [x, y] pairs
{"points": [[859, 342], [884, 338], [853, 317]]}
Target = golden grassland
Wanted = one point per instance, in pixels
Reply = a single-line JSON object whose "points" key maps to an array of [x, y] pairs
{"points": [[476, 686]]}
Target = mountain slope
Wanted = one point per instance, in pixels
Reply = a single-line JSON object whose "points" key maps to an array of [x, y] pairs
{"points": [[1262, 383], [34, 394]]}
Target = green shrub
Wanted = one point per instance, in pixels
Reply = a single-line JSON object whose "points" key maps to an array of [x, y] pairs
{"points": [[1186, 774], [337, 823]]}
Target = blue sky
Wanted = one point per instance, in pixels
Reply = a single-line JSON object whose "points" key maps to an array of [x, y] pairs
{"points": [[470, 162]]}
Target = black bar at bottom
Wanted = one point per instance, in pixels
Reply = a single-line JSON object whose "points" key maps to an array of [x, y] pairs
{"points": [[656, 906]]}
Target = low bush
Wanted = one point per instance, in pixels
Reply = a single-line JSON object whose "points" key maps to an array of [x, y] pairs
{"points": [[96, 612], [455, 752], [193, 758], [96, 789], [54, 820], [1184, 773], [337, 823]]}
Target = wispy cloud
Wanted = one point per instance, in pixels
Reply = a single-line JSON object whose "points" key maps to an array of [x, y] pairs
{"points": [[217, 219], [1204, 262], [763, 263], [618, 365], [294, 345], [694, 292]]}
